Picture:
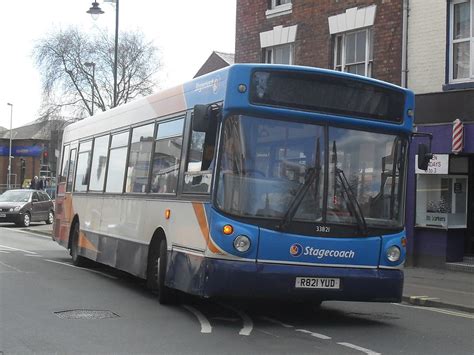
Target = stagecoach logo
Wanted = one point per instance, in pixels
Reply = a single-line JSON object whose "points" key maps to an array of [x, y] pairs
{"points": [[296, 249], [214, 84]]}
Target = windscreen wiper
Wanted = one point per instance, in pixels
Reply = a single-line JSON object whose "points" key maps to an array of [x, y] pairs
{"points": [[311, 174], [354, 205]]}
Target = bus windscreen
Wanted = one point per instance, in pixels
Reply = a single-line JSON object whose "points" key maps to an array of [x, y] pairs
{"points": [[327, 93]]}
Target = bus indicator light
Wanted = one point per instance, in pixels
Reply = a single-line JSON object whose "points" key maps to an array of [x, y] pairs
{"points": [[228, 229], [167, 213], [404, 242]]}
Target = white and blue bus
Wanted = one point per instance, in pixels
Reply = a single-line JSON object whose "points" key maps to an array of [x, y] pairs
{"points": [[252, 181]]}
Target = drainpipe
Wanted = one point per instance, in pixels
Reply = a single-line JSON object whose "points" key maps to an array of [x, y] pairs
{"points": [[404, 78]]}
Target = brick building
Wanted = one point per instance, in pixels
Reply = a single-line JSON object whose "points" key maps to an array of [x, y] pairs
{"points": [[359, 36], [427, 46], [34, 148]]}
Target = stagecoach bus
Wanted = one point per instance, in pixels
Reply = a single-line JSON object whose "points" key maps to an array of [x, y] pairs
{"points": [[252, 181]]}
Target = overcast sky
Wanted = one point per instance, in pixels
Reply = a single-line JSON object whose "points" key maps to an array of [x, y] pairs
{"points": [[185, 31]]}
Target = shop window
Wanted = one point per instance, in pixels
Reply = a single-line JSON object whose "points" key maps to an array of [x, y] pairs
{"points": [[441, 201]]}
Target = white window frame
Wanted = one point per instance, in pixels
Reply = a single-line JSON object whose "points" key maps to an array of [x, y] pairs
{"points": [[271, 51], [452, 42], [368, 60], [277, 8]]}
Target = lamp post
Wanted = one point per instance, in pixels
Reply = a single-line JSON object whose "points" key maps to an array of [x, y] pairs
{"points": [[92, 64], [10, 151], [95, 11]]}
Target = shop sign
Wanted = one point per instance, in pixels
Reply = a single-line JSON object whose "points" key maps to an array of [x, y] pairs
{"points": [[22, 151], [437, 165], [436, 219]]}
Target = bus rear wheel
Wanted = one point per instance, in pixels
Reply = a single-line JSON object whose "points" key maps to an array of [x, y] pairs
{"points": [[157, 273], [77, 259]]}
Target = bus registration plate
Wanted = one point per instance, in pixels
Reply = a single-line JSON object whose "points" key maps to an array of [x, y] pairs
{"points": [[317, 282]]}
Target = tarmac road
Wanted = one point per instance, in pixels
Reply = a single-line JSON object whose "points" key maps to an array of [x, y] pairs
{"points": [[49, 306]]}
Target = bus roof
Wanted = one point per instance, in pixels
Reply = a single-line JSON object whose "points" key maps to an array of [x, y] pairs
{"points": [[209, 88]]}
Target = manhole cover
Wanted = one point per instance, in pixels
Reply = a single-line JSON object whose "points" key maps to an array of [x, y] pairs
{"points": [[85, 314]]}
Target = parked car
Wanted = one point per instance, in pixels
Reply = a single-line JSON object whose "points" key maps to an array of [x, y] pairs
{"points": [[25, 206]]}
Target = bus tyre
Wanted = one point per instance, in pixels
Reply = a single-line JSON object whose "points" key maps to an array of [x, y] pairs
{"points": [[77, 259], [157, 274]]}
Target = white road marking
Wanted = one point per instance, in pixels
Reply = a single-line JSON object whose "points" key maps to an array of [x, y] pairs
{"points": [[364, 350], [438, 310], [27, 232], [316, 335], [16, 249], [205, 325], [34, 255], [4, 251], [271, 320], [246, 320], [82, 268], [10, 267]]}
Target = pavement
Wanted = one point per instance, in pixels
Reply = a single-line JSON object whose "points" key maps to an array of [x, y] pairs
{"points": [[426, 287]]}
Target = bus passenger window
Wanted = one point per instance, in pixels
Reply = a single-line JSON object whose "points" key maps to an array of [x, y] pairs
{"points": [[83, 167], [64, 166], [117, 162], [198, 175], [99, 160], [72, 166], [139, 159], [166, 158]]}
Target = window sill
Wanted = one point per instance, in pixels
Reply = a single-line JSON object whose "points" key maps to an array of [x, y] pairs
{"points": [[458, 86], [280, 10]]}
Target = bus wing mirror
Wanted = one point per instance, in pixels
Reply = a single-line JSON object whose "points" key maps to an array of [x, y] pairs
{"points": [[424, 156], [201, 118], [424, 151]]}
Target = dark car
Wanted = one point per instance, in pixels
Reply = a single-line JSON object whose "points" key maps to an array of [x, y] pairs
{"points": [[25, 206]]}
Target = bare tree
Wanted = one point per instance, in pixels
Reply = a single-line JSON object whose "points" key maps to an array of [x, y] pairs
{"points": [[67, 81]]}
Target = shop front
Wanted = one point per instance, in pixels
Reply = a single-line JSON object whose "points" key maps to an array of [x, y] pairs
{"points": [[440, 200]]}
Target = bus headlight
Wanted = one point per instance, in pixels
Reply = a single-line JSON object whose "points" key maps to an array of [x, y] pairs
{"points": [[393, 253], [242, 243]]}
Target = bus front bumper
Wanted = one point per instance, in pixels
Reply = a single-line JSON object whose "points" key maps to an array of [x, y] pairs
{"points": [[261, 280]]}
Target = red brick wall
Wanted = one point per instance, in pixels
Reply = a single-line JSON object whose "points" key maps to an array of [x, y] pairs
{"points": [[313, 46]]}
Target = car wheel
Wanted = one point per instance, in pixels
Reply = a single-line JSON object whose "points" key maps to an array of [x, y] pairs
{"points": [[157, 273], [25, 222], [77, 259], [50, 219]]}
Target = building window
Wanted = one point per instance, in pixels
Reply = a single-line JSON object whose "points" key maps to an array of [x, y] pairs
{"points": [[278, 8], [353, 52], [461, 44], [278, 45], [279, 54]]}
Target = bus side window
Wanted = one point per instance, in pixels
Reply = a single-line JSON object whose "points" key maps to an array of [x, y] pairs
{"points": [[200, 160], [64, 166], [70, 175]]}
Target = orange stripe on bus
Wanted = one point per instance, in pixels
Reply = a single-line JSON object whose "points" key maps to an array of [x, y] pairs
{"points": [[86, 243], [201, 217]]}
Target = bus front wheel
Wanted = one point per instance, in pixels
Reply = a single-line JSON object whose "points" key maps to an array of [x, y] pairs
{"points": [[157, 273]]}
